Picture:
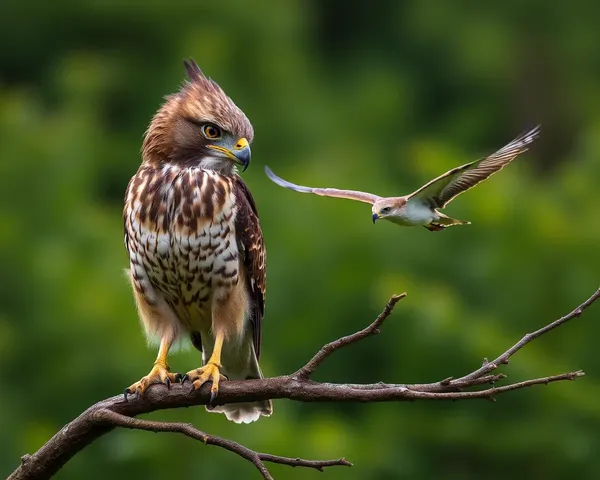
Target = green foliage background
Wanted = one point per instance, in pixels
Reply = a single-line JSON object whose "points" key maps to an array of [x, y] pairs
{"points": [[378, 96]]}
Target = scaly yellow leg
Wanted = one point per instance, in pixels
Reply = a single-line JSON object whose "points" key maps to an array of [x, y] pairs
{"points": [[159, 373], [210, 371]]}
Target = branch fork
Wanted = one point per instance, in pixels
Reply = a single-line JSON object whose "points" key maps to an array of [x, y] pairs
{"points": [[112, 413]]}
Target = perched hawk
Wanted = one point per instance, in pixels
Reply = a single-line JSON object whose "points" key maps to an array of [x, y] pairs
{"points": [[197, 258], [421, 207]]}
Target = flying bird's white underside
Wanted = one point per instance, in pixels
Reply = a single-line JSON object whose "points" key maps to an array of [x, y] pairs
{"points": [[415, 213]]}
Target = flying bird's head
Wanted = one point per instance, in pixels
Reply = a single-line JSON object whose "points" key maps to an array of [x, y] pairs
{"points": [[199, 126], [388, 208]]}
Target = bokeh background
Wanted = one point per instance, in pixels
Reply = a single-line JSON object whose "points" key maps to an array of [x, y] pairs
{"points": [[380, 96]]}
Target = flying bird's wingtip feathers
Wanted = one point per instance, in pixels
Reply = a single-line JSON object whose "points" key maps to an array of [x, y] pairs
{"points": [[534, 133], [528, 136], [518, 145], [535, 130], [443, 189], [284, 183]]}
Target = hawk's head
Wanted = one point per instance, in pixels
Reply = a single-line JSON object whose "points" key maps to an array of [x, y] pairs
{"points": [[390, 208], [200, 125]]}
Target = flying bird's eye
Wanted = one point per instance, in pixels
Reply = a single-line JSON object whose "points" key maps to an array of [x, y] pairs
{"points": [[211, 131], [385, 210]]}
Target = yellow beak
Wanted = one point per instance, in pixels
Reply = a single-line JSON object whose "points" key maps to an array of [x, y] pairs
{"points": [[240, 153]]}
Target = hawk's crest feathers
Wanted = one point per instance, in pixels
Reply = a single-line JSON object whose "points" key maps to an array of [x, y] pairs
{"points": [[192, 69], [203, 100]]}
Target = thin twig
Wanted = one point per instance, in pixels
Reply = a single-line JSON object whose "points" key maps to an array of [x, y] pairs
{"points": [[298, 462], [307, 370], [421, 394], [503, 359], [457, 385]]}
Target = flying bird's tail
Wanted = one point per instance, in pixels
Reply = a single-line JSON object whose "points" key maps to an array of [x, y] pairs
{"points": [[444, 222], [245, 412]]}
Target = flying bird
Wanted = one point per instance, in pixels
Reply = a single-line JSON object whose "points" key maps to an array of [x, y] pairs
{"points": [[196, 251], [421, 207]]}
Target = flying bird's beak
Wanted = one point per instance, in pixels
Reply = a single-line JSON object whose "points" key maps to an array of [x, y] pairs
{"points": [[375, 217], [239, 155]]}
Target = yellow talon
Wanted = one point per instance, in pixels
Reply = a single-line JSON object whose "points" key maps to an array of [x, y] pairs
{"points": [[159, 374], [209, 372]]}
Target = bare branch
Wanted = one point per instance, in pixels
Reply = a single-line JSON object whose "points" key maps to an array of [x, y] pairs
{"points": [[111, 418], [111, 413], [422, 394], [307, 370], [503, 359]]}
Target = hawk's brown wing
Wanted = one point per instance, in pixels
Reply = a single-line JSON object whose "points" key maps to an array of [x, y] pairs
{"points": [[253, 254], [440, 191]]}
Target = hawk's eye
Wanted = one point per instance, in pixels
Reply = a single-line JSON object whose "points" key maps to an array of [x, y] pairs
{"points": [[385, 210], [211, 131]]}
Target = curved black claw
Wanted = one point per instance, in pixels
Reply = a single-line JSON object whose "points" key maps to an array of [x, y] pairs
{"points": [[184, 377], [168, 383], [127, 392], [213, 397]]}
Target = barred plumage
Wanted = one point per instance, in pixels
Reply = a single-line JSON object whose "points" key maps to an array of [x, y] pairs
{"points": [[182, 235], [196, 252]]}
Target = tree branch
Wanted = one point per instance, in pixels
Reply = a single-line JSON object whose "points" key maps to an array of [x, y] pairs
{"points": [[307, 370], [114, 419], [114, 412], [503, 359]]}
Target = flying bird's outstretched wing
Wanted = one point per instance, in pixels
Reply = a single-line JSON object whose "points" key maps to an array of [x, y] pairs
{"points": [[324, 192], [443, 189]]}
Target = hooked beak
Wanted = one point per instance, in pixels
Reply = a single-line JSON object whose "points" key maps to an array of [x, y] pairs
{"points": [[375, 217], [240, 154]]}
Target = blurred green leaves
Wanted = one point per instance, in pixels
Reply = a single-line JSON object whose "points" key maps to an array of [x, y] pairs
{"points": [[381, 105]]}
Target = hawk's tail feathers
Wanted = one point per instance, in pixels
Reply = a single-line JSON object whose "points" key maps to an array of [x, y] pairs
{"points": [[247, 412], [444, 222], [244, 412]]}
